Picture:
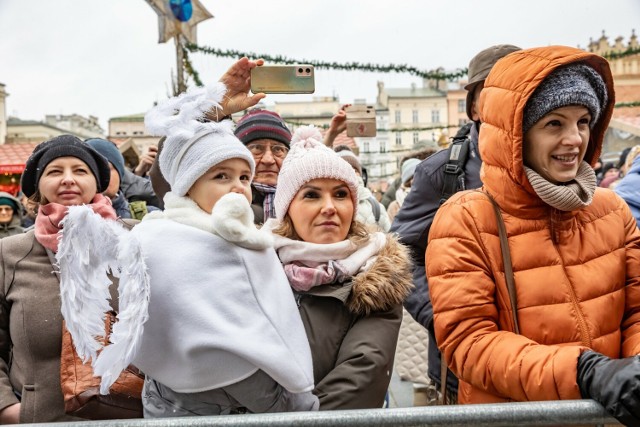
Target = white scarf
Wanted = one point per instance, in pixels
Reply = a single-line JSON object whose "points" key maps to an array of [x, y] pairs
{"points": [[231, 219]]}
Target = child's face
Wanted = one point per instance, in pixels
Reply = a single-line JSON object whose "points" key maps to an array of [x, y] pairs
{"points": [[230, 176]]}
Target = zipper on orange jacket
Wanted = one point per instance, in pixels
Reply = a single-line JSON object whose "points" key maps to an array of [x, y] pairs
{"points": [[585, 337]]}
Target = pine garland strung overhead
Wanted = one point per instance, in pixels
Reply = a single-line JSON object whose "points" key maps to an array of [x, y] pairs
{"points": [[349, 66], [627, 104], [615, 55], [189, 68], [436, 75], [413, 129]]}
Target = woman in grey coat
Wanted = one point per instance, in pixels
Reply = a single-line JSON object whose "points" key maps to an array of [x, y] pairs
{"points": [[59, 173]]}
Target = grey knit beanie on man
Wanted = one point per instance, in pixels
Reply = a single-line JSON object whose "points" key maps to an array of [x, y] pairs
{"points": [[574, 84]]}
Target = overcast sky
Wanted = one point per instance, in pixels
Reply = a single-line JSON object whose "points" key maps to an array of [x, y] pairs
{"points": [[102, 58]]}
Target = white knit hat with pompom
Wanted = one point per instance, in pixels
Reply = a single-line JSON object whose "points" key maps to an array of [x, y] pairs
{"points": [[307, 160], [193, 145]]}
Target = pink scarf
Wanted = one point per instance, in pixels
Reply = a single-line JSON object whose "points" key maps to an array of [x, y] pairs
{"points": [[49, 217], [308, 265], [304, 277]]}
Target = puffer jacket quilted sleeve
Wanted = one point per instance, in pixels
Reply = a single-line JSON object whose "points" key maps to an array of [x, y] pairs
{"points": [[576, 273]]}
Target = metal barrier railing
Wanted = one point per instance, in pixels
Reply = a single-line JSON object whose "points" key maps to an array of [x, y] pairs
{"points": [[568, 412]]}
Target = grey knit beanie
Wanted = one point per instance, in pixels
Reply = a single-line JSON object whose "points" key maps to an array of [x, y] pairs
{"points": [[574, 84]]}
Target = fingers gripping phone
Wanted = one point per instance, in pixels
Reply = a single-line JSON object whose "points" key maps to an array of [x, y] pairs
{"points": [[295, 78]]}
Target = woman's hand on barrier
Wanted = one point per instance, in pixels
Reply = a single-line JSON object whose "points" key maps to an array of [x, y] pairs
{"points": [[614, 383]]}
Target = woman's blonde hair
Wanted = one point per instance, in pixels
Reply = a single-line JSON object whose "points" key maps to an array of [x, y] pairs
{"points": [[358, 232], [38, 199]]}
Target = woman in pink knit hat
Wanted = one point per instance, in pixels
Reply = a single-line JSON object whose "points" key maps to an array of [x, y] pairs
{"points": [[349, 282]]}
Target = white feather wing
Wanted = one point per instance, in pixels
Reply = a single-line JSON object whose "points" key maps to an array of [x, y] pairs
{"points": [[133, 291], [84, 254], [90, 247]]}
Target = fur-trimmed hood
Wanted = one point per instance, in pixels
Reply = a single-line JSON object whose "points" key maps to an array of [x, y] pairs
{"points": [[386, 283]]}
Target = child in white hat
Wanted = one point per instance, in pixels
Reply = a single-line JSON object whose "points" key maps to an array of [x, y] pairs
{"points": [[224, 334]]}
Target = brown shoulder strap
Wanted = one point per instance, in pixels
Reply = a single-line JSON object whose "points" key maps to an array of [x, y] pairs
{"points": [[506, 260], [443, 380]]}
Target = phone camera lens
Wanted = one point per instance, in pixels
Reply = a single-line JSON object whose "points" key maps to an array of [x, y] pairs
{"points": [[300, 70], [308, 70]]}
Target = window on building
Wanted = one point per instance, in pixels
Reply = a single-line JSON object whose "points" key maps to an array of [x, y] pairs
{"points": [[435, 116], [398, 138], [365, 147], [414, 115], [462, 105], [416, 137], [398, 116], [383, 146]]}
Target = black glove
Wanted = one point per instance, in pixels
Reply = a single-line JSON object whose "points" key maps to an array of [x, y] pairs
{"points": [[614, 383]]}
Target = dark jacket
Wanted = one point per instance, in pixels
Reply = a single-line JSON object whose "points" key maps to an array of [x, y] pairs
{"points": [[353, 330], [121, 206], [257, 206], [413, 222], [11, 228], [137, 188]]}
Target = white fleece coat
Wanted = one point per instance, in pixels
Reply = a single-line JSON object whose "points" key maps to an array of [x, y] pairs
{"points": [[218, 312]]}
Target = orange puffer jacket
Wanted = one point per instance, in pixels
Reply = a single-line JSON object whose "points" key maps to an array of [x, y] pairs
{"points": [[577, 274]]}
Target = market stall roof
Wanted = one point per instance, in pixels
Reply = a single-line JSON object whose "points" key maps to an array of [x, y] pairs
{"points": [[15, 155]]}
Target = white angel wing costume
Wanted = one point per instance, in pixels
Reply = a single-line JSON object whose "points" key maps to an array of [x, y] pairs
{"points": [[90, 247]]}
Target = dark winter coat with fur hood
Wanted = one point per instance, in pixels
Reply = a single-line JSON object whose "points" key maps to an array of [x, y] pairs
{"points": [[353, 330]]}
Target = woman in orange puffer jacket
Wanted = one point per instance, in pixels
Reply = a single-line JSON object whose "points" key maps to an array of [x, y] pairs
{"points": [[574, 247]]}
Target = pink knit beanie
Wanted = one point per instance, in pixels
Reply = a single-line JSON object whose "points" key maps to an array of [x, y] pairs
{"points": [[307, 160]]}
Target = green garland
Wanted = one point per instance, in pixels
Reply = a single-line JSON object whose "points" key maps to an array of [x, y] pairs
{"points": [[188, 66], [627, 104], [297, 123], [615, 55], [349, 66]]}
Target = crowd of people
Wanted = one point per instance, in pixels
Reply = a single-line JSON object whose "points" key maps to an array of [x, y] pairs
{"points": [[271, 279]]}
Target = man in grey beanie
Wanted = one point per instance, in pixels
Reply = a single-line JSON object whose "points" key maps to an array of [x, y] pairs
{"points": [[413, 221]]}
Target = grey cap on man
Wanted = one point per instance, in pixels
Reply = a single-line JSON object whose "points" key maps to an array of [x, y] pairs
{"points": [[479, 68]]}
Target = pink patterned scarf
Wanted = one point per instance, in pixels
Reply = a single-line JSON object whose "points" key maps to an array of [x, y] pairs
{"points": [[311, 264], [49, 217]]}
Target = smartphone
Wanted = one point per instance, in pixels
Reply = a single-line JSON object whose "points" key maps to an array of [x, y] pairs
{"points": [[295, 78], [361, 121]]}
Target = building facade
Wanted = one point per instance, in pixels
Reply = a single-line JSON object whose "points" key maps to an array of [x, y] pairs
{"points": [[129, 133], [317, 112], [624, 59], [83, 127]]}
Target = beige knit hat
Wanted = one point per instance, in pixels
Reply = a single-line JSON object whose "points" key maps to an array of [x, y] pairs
{"points": [[307, 160]]}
